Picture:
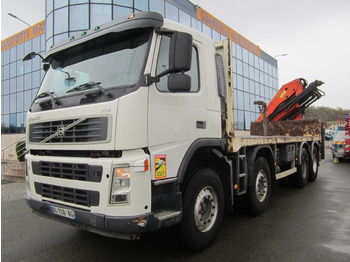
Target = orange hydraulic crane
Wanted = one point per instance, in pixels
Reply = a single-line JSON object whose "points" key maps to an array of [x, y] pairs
{"points": [[292, 99]]}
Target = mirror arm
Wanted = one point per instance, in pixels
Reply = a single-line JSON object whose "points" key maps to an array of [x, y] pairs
{"points": [[148, 79], [40, 57]]}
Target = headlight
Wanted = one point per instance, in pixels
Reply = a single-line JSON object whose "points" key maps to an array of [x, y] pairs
{"points": [[120, 186]]}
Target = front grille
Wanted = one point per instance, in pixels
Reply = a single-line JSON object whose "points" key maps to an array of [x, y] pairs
{"points": [[83, 172], [89, 130], [69, 195]]}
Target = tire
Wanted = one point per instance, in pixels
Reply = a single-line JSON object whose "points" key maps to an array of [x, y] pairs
{"points": [[203, 210], [260, 191], [314, 163], [301, 177]]}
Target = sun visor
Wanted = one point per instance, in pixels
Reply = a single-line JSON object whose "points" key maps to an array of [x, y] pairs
{"points": [[132, 21]]}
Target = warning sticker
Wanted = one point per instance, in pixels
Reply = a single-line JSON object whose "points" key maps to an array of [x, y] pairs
{"points": [[283, 93], [160, 166]]}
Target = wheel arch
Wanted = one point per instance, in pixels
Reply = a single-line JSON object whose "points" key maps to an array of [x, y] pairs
{"points": [[254, 153], [300, 150], [201, 154], [198, 147]]}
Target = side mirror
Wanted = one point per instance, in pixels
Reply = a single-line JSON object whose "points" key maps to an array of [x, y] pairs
{"points": [[180, 53], [31, 55], [178, 83]]}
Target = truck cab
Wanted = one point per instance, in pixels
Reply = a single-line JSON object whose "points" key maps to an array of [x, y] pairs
{"points": [[132, 130], [118, 109]]}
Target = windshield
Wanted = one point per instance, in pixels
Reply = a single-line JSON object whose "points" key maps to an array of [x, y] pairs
{"points": [[112, 61]]}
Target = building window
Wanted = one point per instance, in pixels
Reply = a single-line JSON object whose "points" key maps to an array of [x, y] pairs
{"points": [[13, 123], [49, 26], [100, 14], [157, 6], [72, 2], [123, 2], [171, 12], [120, 11], [141, 5], [60, 3], [79, 17], [5, 124], [49, 6], [184, 19], [20, 102], [60, 18]]}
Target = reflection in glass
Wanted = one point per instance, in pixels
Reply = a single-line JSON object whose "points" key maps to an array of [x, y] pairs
{"points": [[48, 26], [141, 5], [115, 60], [123, 2], [60, 38], [185, 19], [6, 103], [20, 102], [27, 81], [119, 11], [79, 17], [100, 14], [171, 12], [5, 124], [20, 123], [157, 6], [59, 16], [13, 123], [27, 99], [60, 3], [13, 107]]}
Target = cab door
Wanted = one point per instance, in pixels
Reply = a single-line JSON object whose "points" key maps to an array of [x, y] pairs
{"points": [[175, 120]]}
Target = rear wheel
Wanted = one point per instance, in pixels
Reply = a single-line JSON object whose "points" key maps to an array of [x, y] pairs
{"points": [[260, 191], [301, 177], [203, 209], [314, 165]]}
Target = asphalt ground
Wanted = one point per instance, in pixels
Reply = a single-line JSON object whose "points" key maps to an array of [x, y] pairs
{"points": [[310, 224]]}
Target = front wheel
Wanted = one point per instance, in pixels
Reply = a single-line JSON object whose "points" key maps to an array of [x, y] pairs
{"points": [[203, 209], [260, 190]]}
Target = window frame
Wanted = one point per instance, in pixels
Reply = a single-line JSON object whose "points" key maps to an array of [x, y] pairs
{"points": [[195, 47]]}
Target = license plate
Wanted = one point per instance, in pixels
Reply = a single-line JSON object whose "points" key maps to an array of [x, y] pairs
{"points": [[64, 212]]}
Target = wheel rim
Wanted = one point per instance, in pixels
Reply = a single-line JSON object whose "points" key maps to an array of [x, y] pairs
{"points": [[206, 209], [261, 186]]}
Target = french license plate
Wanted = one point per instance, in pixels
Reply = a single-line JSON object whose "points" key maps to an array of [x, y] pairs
{"points": [[64, 212]]}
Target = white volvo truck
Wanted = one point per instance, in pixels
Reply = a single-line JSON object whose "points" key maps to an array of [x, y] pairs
{"points": [[132, 130]]}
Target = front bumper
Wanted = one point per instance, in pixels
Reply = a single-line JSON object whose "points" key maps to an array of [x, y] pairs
{"points": [[119, 227]]}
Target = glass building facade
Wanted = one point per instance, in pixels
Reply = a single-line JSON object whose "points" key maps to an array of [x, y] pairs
{"points": [[255, 74], [20, 81]]}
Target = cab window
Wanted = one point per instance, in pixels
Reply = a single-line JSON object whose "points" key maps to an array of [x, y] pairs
{"points": [[163, 65]]}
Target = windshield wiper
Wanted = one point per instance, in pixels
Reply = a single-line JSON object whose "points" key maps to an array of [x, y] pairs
{"points": [[52, 95], [90, 85]]}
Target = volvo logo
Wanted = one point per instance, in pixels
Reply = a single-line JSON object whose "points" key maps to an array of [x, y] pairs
{"points": [[60, 131]]}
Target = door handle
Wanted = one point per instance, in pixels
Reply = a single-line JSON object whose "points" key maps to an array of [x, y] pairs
{"points": [[201, 125]]}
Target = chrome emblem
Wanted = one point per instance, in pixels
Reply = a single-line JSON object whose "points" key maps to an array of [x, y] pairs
{"points": [[60, 131]]}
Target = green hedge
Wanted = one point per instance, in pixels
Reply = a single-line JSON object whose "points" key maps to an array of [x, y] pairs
{"points": [[20, 150]]}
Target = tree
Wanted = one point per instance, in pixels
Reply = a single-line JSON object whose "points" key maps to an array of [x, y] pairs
{"points": [[325, 113]]}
